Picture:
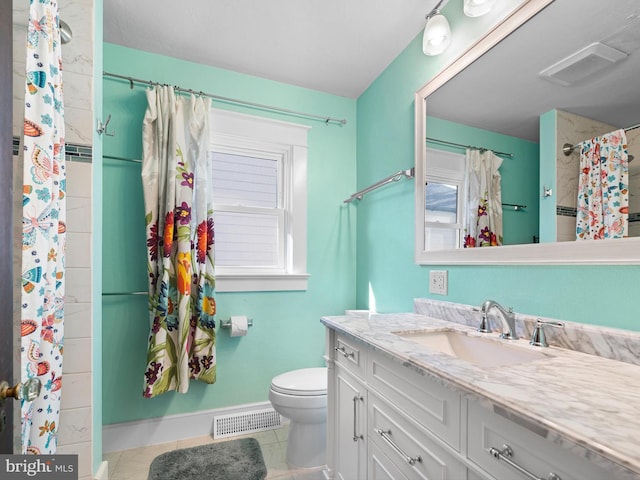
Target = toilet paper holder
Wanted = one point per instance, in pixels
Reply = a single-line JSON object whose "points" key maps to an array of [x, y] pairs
{"points": [[226, 323]]}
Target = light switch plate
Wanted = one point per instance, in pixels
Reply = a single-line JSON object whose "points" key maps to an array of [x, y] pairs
{"points": [[438, 282]]}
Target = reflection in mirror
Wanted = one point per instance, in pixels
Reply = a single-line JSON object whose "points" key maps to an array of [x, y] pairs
{"points": [[509, 102], [518, 180], [503, 102]]}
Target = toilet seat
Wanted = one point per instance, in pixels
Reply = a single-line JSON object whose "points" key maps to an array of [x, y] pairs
{"points": [[303, 382]]}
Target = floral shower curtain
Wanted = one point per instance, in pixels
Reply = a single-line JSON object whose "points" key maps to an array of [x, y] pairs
{"points": [[603, 189], [176, 176], [43, 229], [483, 225]]}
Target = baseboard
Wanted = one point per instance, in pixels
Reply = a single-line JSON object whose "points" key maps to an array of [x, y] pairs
{"points": [[152, 431], [103, 471]]}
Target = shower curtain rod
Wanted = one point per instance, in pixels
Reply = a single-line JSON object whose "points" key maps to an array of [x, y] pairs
{"points": [[233, 101], [117, 294], [461, 145], [516, 207], [568, 149]]}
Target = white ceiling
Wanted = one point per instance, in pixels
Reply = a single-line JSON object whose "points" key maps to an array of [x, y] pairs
{"points": [[334, 46]]}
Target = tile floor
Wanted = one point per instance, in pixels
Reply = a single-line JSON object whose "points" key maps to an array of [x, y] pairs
{"points": [[134, 464]]}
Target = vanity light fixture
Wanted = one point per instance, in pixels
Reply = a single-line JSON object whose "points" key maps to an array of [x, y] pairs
{"points": [[477, 8], [437, 33]]}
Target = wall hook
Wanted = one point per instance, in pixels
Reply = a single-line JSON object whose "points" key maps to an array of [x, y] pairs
{"points": [[102, 127]]}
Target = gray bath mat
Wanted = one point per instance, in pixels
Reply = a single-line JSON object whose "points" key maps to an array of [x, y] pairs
{"points": [[231, 460]]}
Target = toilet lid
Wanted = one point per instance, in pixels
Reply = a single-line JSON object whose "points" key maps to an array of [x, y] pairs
{"points": [[307, 381]]}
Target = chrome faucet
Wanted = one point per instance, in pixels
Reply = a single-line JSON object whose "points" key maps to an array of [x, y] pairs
{"points": [[507, 316], [539, 339]]}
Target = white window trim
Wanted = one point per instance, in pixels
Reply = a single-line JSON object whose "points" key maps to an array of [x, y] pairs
{"points": [[452, 177], [232, 130]]}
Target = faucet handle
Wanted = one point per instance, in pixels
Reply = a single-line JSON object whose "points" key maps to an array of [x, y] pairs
{"points": [[484, 324], [484, 321], [538, 338]]}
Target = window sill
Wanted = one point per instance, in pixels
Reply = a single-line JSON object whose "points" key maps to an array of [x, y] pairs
{"points": [[261, 282]]}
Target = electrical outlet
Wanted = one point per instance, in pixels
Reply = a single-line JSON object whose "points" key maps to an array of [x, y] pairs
{"points": [[438, 282]]}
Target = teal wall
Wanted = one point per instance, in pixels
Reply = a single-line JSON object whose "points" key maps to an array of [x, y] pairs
{"points": [[287, 333], [387, 276], [548, 135], [519, 173]]}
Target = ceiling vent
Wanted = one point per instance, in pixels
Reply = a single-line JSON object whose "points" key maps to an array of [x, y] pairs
{"points": [[582, 64]]}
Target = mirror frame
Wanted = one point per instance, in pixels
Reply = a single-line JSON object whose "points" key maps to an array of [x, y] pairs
{"points": [[625, 251]]}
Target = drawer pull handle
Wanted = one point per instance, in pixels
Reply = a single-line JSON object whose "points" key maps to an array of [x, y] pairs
{"points": [[385, 434], [344, 352], [505, 455], [356, 399]]}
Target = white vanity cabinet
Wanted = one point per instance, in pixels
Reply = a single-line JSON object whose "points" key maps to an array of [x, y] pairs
{"points": [[350, 424], [428, 403], [349, 419], [373, 406], [390, 420], [502, 446], [410, 448]]}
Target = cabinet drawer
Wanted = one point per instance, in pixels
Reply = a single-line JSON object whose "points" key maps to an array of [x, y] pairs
{"points": [[429, 403], [381, 468], [531, 451], [410, 448], [351, 355]]}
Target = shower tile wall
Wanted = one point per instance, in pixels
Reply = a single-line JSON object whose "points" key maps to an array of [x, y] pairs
{"points": [[75, 432], [573, 129]]}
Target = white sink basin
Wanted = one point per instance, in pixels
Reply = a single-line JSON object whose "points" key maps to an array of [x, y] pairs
{"points": [[481, 351]]}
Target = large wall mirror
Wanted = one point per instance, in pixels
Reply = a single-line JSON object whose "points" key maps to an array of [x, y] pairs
{"points": [[509, 94]]}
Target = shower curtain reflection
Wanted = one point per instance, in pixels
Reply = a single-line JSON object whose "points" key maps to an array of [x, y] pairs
{"points": [[483, 226], [603, 190]]}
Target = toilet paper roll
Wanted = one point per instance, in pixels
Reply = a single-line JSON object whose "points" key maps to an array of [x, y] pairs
{"points": [[239, 325]]}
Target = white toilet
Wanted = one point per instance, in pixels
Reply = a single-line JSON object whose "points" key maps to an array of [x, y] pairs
{"points": [[301, 396]]}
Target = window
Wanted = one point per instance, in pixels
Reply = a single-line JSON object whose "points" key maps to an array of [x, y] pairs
{"points": [[444, 200], [260, 200]]}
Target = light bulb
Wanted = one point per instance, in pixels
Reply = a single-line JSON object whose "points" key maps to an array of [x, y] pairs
{"points": [[477, 8], [437, 35]]}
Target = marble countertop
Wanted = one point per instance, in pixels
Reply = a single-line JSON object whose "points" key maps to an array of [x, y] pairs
{"points": [[589, 404]]}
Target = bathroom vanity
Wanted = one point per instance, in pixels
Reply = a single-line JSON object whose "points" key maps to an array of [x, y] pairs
{"points": [[412, 396]]}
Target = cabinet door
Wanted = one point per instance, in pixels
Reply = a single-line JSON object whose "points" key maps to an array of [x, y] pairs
{"points": [[351, 438]]}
